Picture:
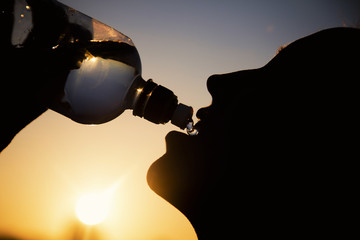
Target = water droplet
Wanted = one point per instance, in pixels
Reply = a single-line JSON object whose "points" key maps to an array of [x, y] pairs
{"points": [[191, 130]]}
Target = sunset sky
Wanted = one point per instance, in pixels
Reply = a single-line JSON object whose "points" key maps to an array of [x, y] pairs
{"points": [[54, 161]]}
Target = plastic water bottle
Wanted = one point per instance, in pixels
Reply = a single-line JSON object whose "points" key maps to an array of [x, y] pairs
{"points": [[98, 69]]}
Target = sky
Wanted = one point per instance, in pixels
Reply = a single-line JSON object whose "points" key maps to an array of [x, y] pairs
{"points": [[54, 160]]}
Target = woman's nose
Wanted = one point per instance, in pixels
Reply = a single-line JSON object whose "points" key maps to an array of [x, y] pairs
{"points": [[214, 85]]}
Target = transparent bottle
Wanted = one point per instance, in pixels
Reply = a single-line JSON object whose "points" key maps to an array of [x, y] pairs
{"points": [[99, 67]]}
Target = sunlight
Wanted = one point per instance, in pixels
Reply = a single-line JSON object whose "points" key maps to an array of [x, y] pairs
{"points": [[92, 208]]}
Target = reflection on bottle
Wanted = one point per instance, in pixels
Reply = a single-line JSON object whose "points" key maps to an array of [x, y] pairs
{"points": [[96, 91]]}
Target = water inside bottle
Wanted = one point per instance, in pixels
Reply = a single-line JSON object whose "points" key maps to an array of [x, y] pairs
{"points": [[99, 76]]}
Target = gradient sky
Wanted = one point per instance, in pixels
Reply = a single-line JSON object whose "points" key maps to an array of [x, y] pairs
{"points": [[181, 43]]}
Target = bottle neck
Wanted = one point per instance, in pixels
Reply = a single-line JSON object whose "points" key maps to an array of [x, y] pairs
{"points": [[155, 103], [159, 104]]}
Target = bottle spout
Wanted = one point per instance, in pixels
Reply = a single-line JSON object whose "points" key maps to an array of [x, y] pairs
{"points": [[182, 116]]}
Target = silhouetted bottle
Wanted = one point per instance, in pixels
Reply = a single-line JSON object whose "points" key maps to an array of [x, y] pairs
{"points": [[99, 67]]}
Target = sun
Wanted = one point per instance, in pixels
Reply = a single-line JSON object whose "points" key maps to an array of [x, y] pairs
{"points": [[92, 208]]}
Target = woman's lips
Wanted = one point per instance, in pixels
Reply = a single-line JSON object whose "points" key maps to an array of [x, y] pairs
{"points": [[198, 125]]}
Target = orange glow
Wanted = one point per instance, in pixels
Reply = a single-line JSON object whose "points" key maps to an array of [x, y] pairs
{"points": [[54, 161]]}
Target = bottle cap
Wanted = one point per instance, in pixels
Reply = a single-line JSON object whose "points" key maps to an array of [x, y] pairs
{"points": [[182, 115]]}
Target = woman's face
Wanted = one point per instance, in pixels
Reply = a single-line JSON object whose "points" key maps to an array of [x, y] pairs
{"points": [[196, 171], [259, 128]]}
